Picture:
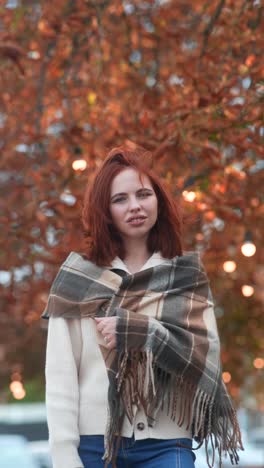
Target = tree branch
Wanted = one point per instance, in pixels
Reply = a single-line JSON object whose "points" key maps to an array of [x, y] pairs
{"points": [[209, 28]]}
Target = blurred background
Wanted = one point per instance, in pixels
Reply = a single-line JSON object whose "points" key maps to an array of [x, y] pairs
{"points": [[184, 79]]}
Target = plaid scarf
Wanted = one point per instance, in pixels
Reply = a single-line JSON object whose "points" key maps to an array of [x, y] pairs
{"points": [[168, 353]]}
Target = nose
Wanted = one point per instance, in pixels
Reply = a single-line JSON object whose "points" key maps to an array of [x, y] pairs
{"points": [[134, 204]]}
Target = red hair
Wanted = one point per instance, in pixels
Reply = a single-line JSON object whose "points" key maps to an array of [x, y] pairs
{"points": [[103, 241]]}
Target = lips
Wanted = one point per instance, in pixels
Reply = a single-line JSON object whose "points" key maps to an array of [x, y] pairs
{"points": [[136, 218]]}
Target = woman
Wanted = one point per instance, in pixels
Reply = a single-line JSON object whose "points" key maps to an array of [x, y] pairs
{"points": [[132, 367]]}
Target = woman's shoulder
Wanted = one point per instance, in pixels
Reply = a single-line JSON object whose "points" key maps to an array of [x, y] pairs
{"points": [[79, 264], [77, 257], [188, 257], [191, 258], [191, 254]]}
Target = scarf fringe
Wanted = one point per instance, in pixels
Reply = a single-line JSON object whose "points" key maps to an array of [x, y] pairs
{"points": [[140, 382]]}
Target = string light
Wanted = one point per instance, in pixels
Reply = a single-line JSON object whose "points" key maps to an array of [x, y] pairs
{"points": [[189, 196], [247, 290], [229, 266], [17, 389], [248, 249], [258, 363], [226, 377], [79, 165], [20, 394], [15, 386]]}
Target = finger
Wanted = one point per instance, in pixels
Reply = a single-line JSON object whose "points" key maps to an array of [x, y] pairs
{"points": [[112, 345], [108, 343], [108, 338], [100, 327]]}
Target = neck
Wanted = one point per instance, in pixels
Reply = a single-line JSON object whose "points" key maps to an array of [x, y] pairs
{"points": [[136, 255]]}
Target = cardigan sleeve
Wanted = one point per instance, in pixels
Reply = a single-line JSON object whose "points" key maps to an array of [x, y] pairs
{"points": [[140, 332], [63, 354]]}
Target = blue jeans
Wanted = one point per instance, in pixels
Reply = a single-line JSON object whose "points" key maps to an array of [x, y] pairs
{"points": [[147, 453]]}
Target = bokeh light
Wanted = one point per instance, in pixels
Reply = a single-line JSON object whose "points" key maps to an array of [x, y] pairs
{"points": [[189, 196], [79, 165], [20, 394], [248, 249], [247, 290], [226, 377], [258, 363], [229, 266], [17, 390]]}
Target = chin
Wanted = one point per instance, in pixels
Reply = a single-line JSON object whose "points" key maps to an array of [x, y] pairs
{"points": [[138, 235]]}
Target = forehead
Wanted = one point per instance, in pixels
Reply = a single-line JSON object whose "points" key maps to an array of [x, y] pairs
{"points": [[129, 179]]}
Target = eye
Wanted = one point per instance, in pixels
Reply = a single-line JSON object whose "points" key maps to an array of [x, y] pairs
{"points": [[144, 194], [119, 199]]}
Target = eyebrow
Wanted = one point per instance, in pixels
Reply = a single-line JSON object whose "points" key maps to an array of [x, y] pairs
{"points": [[124, 193]]}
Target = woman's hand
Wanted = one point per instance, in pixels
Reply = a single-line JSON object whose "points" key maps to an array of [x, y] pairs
{"points": [[107, 327]]}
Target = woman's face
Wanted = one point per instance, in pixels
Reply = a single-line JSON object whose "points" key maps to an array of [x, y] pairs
{"points": [[133, 205]]}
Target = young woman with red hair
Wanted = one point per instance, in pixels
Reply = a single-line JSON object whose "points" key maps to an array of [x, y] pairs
{"points": [[133, 373]]}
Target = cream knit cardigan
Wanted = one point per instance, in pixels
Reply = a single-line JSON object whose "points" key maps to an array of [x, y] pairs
{"points": [[77, 384]]}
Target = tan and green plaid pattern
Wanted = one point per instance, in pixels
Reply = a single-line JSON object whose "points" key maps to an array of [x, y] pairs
{"points": [[168, 352]]}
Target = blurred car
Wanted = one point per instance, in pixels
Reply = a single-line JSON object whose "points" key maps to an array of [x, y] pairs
{"points": [[41, 453], [256, 437], [14, 452], [27, 419], [251, 457]]}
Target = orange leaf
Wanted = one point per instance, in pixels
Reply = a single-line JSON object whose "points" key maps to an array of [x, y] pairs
{"points": [[250, 60]]}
